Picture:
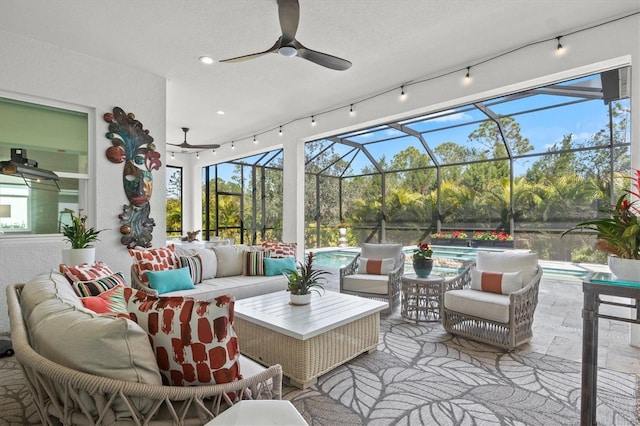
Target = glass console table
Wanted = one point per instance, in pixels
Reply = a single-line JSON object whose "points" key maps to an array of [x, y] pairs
{"points": [[594, 286]]}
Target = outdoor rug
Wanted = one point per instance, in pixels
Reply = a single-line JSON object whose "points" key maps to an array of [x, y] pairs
{"points": [[421, 375]]}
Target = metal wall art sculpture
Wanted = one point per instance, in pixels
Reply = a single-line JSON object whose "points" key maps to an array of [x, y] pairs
{"points": [[133, 146]]}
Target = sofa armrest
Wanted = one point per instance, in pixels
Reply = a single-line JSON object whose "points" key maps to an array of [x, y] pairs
{"points": [[139, 285]]}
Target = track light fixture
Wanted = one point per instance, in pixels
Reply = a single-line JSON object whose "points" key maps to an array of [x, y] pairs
{"points": [[351, 111], [313, 120], [468, 75], [402, 94], [559, 47]]}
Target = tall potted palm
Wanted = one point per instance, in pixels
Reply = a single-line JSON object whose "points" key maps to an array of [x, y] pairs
{"points": [[80, 236]]}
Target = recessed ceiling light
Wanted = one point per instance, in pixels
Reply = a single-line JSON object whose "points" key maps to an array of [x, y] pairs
{"points": [[220, 112], [206, 60]]}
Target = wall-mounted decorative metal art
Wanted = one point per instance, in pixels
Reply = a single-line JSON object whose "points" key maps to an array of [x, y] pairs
{"points": [[132, 145]]}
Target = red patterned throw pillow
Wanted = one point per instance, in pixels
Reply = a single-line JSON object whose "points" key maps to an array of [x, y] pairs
{"points": [[107, 302], [279, 250], [86, 272], [153, 259], [193, 340]]}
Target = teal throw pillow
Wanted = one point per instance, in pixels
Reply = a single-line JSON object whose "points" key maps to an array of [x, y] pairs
{"points": [[170, 280], [273, 267]]}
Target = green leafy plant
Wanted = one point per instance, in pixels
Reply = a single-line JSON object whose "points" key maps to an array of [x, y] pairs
{"points": [[423, 251], [492, 236], [77, 233], [619, 233], [452, 234], [304, 279]]}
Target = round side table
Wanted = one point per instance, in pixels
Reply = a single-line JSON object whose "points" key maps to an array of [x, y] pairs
{"points": [[421, 297]]}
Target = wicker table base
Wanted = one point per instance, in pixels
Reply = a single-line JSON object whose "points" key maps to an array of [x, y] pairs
{"points": [[421, 297], [304, 359]]}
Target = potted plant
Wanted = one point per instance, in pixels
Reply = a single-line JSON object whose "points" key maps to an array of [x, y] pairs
{"points": [[303, 280], [80, 236], [453, 238], [492, 239], [422, 261], [618, 233]]}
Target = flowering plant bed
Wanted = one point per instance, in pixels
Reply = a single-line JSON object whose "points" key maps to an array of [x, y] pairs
{"points": [[453, 235], [492, 236]]}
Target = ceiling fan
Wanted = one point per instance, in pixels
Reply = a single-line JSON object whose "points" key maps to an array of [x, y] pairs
{"points": [[287, 45], [187, 145]]}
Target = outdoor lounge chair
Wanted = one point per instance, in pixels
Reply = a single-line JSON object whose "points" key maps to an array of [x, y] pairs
{"points": [[502, 320], [375, 273]]}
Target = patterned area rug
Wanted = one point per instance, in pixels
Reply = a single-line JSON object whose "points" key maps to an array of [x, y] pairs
{"points": [[421, 375]]}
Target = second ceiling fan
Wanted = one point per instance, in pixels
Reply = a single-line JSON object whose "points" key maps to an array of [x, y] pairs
{"points": [[287, 45], [187, 145]]}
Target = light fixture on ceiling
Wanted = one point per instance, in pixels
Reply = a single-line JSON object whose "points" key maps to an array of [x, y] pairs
{"points": [[280, 131], [467, 76], [208, 60], [254, 139], [214, 151], [351, 111], [220, 112], [313, 120], [197, 155], [403, 95], [559, 47], [28, 170], [173, 155], [288, 51], [232, 145]]}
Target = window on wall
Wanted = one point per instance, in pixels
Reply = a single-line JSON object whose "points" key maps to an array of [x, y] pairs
{"points": [[54, 138], [174, 202]]}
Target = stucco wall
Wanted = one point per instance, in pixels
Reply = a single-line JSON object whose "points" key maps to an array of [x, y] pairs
{"points": [[47, 73]]}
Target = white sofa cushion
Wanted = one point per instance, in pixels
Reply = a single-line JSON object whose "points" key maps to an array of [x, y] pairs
{"points": [[65, 332], [207, 256], [240, 286], [230, 259], [509, 261], [491, 306], [366, 283]]}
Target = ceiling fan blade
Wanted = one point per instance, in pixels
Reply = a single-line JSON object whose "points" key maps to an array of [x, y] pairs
{"points": [[323, 59], [272, 49], [210, 146], [289, 13]]}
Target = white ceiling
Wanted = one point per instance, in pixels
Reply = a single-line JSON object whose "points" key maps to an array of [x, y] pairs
{"points": [[389, 42]]}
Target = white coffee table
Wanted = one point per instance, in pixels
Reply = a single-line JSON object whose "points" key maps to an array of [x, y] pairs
{"points": [[310, 340]]}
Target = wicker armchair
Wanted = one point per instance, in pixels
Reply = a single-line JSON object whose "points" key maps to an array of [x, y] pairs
{"points": [[474, 318], [63, 395], [384, 287]]}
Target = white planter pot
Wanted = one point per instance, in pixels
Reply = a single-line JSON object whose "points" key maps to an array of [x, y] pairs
{"points": [[79, 256], [625, 269], [300, 299]]}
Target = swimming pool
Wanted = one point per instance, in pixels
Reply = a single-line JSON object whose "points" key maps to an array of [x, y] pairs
{"points": [[449, 261]]}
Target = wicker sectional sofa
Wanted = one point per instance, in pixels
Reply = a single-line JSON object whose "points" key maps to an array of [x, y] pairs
{"points": [[84, 368]]}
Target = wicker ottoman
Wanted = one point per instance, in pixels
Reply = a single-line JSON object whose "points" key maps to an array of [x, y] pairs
{"points": [[307, 341]]}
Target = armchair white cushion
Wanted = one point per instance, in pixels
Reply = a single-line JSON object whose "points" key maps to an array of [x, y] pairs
{"points": [[376, 286]]}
